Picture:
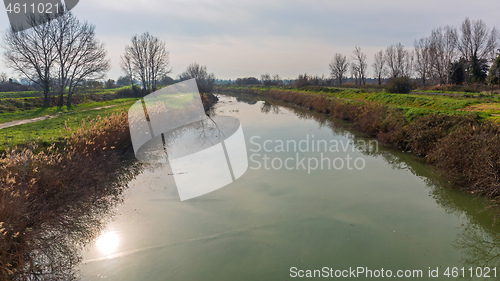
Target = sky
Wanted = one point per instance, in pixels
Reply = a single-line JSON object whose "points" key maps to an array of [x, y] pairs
{"points": [[245, 38]]}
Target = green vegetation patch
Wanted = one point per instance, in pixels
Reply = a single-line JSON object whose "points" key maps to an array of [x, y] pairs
{"points": [[44, 111], [23, 94], [53, 130]]}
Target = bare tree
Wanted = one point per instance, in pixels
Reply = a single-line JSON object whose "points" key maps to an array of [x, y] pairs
{"points": [[274, 80], [399, 61], [89, 65], [477, 45], [62, 50], [355, 73], [3, 77], [146, 58], [359, 64], [126, 65], [266, 79], [477, 39], [80, 56], [443, 44], [338, 67], [379, 66], [204, 80], [423, 59], [277, 80], [32, 53]]}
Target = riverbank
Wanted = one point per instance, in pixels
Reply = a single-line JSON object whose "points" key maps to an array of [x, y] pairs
{"points": [[55, 196], [463, 145]]}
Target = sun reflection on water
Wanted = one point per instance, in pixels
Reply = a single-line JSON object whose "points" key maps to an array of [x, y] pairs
{"points": [[108, 242]]}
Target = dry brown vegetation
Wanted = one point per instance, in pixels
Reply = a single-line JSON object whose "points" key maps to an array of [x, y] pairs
{"points": [[464, 147], [50, 200]]}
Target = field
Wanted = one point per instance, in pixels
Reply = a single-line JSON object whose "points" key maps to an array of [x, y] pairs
{"points": [[27, 105]]}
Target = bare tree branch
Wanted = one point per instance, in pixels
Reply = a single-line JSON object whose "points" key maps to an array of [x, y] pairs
{"points": [[338, 67], [146, 58]]}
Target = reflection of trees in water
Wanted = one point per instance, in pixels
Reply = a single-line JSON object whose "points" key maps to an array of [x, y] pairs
{"points": [[197, 136], [57, 252], [479, 239], [268, 107], [248, 100], [479, 247]]}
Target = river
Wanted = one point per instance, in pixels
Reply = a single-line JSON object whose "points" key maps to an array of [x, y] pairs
{"points": [[367, 208]]}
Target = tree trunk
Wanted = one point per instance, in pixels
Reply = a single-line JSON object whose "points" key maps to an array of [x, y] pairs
{"points": [[61, 99], [46, 94], [70, 94]]}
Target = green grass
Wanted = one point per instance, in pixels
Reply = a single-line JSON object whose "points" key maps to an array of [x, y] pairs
{"points": [[44, 111], [24, 94], [52, 130], [433, 102], [411, 104], [28, 105], [38, 94], [100, 91], [448, 92], [419, 101]]}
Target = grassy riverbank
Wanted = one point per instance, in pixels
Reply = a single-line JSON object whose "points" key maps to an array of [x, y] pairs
{"points": [[459, 134]]}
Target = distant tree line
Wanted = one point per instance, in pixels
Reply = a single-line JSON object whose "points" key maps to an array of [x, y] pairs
{"points": [[448, 55]]}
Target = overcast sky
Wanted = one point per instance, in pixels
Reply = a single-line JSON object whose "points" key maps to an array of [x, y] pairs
{"points": [[239, 38]]}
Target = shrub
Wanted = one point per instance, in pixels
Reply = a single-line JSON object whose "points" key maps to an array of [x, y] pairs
{"points": [[369, 118], [494, 73], [137, 90], [125, 93], [425, 131], [471, 156], [401, 85]]}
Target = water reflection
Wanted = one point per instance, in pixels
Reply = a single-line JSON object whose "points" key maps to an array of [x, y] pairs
{"points": [[479, 236], [268, 107], [108, 242], [57, 251], [480, 248]]}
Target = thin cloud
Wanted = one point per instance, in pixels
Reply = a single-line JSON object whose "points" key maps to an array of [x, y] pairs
{"points": [[251, 37]]}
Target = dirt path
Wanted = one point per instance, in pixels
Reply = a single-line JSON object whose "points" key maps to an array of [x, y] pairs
{"points": [[26, 121]]}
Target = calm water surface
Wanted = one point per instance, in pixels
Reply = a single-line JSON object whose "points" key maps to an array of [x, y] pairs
{"points": [[392, 214]]}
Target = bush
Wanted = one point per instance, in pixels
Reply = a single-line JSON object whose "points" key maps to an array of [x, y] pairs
{"points": [[470, 155], [423, 134], [494, 73], [125, 93], [401, 85], [469, 88]]}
